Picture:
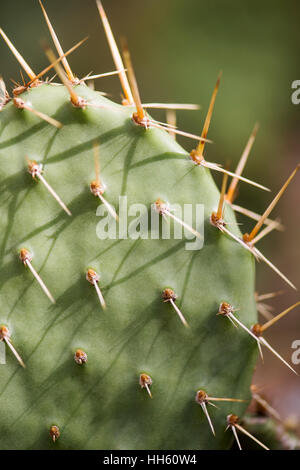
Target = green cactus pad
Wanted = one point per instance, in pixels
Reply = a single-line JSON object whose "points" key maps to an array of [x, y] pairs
{"points": [[100, 404]]}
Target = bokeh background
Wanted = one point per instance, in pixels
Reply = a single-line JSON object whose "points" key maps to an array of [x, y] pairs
{"points": [[178, 48]]}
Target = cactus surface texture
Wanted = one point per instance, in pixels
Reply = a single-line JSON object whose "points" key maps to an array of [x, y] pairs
{"points": [[90, 366]]}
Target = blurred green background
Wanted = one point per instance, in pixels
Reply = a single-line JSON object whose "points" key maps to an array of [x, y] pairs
{"points": [[178, 48]]}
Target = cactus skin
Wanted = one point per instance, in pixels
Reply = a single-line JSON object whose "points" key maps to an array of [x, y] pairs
{"points": [[100, 404]]}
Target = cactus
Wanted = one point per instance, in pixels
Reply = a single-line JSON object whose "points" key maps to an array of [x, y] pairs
{"points": [[277, 435], [108, 362]]}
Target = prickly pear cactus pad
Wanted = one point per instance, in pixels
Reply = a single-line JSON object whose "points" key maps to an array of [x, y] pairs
{"points": [[108, 362], [100, 404]]}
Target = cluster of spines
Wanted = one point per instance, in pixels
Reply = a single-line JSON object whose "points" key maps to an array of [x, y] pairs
{"points": [[140, 118]]}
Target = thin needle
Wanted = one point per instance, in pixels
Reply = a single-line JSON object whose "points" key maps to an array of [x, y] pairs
{"points": [[162, 209], [172, 106], [267, 325], [20, 104], [200, 148], [109, 207], [237, 239], [18, 56], [255, 216], [220, 224], [222, 196], [22, 76], [145, 381], [75, 100], [190, 229], [148, 390], [53, 193], [5, 336], [179, 313], [271, 206], [115, 53], [36, 171], [243, 430], [133, 83], [56, 61], [93, 279], [269, 295], [57, 45], [236, 437], [177, 131], [4, 96], [264, 310], [26, 258], [164, 124], [235, 400], [15, 353], [171, 121], [100, 296], [259, 255], [270, 410], [91, 85], [241, 165], [265, 343], [40, 281], [243, 326], [226, 309], [204, 408], [96, 187], [233, 323], [44, 116], [269, 228], [100, 75], [169, 295], [215, 167]]}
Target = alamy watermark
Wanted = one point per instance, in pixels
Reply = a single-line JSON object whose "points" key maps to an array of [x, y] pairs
{"points": [[295, 96], [296, 353], [138, 221]]}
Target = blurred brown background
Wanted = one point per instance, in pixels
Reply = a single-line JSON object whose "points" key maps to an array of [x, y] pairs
{"points": [[178, 48]]}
